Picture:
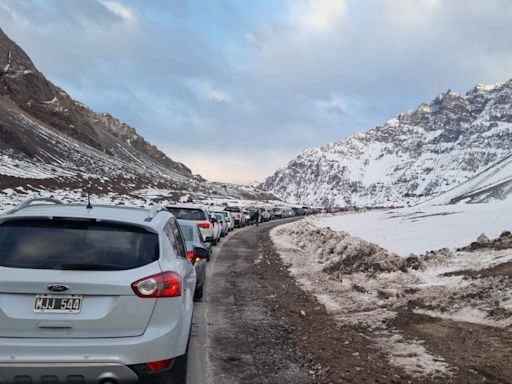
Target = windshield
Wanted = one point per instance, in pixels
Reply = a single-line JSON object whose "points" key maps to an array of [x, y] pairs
{"points": [[195, 214], [232, 209], [71, 244]]}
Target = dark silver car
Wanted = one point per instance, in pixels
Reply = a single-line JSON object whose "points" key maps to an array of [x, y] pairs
{"points": [[197, 253]]}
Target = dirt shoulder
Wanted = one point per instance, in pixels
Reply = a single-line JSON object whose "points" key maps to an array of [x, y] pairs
{"points": [[405, 319], [476, 353], [335, 354]]}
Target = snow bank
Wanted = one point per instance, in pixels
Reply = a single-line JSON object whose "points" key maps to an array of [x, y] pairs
{"points": [[418, 230], [363, 284]]}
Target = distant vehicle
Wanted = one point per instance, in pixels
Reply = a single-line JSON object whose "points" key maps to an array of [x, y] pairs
{"points": [[111, 283], [265, 214], [197, 214], [277, 213], [230, 219], [287, 212], [298, 211], [196, 249], [247, 214], [238, 216], [217, 229], [221, 217]]}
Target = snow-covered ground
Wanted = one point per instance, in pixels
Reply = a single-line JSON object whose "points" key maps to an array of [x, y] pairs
{"points": [[421, 229], [9, 198], [359, 266]]}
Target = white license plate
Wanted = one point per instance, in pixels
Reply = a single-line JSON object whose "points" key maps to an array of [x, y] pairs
{"points": [[58, 303]]}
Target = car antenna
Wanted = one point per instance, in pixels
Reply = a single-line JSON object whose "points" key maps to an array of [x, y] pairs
{"points": [[89, 206]]}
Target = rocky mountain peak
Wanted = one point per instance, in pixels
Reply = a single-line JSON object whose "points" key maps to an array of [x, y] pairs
{"points": [[417, 154], [32, 92]]}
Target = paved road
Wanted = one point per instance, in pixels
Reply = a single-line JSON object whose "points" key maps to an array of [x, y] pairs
{"points": [[235, 338]]}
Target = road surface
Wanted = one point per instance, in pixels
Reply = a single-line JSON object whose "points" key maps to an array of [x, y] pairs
{"points": [[235, 338]]}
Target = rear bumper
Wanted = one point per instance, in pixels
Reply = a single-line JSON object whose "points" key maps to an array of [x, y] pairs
{"points": [[51, 373], [82, 373], [166, 337]]}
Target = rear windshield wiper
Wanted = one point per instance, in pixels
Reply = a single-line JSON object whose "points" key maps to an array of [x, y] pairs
{"points": [[89, 267]]}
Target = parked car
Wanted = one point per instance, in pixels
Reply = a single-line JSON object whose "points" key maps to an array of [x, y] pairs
{"points": [[298, 211], [217, 229], [196, 248], [277, 213], [228, 218], [93, 293], [265, 214], [238, 216], [221, 218], [197, 214], [246, 212]]}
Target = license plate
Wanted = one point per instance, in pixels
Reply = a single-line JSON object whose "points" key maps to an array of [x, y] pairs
{"points": [[58, 304]]}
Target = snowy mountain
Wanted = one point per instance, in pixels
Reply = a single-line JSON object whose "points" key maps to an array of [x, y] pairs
{"points": [[50, 141], [494, 183], [413, 157]]}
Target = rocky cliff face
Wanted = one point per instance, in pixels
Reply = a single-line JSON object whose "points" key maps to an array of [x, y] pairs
{"points": [[22, 83], [414, 156]]}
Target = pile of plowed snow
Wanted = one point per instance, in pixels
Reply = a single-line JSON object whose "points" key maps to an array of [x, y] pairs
{"points": [[363, 284], [339, 253]]}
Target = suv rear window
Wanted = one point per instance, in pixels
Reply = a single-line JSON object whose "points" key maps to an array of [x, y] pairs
{"points": [[232, 209], [187, 213], [188, 232], [70, 244]]}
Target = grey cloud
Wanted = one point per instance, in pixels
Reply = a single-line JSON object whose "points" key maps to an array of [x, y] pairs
{"points": [[281, 90]]}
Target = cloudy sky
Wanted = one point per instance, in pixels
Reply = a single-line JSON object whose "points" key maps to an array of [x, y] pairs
{"points": [[237, 88]]}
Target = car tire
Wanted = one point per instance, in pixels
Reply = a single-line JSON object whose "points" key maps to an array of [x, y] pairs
{"points": [[179, 370], [214, 242], [198, 294]]}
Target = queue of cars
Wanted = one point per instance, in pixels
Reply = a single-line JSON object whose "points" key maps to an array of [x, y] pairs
{"points": [[104, 294]]}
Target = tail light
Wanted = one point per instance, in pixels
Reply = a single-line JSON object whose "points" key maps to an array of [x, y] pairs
{"points": [[204, 225], [190, 255], [155, 366], [165, 284]]}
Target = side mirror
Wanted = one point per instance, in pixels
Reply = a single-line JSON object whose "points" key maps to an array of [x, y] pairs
{"points": [[208, 239], [201, 253]]}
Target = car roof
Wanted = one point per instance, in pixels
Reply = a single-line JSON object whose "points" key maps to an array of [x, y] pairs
{"points": [[121, 214], [187, 206]]}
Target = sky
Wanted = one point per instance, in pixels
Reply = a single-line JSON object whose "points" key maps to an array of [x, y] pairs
{"points": [[237, 88]]}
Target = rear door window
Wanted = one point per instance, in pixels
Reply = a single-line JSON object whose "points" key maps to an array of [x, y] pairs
{"points": [[188, 232], [188, 213], [75, 245], [180, 242]]}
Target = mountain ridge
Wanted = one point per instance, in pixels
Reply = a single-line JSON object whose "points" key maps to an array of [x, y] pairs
{"points": [[412, 157]]}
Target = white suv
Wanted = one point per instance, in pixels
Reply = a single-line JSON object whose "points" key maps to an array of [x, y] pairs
{"points": [[93, 295], [197, 214]]}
